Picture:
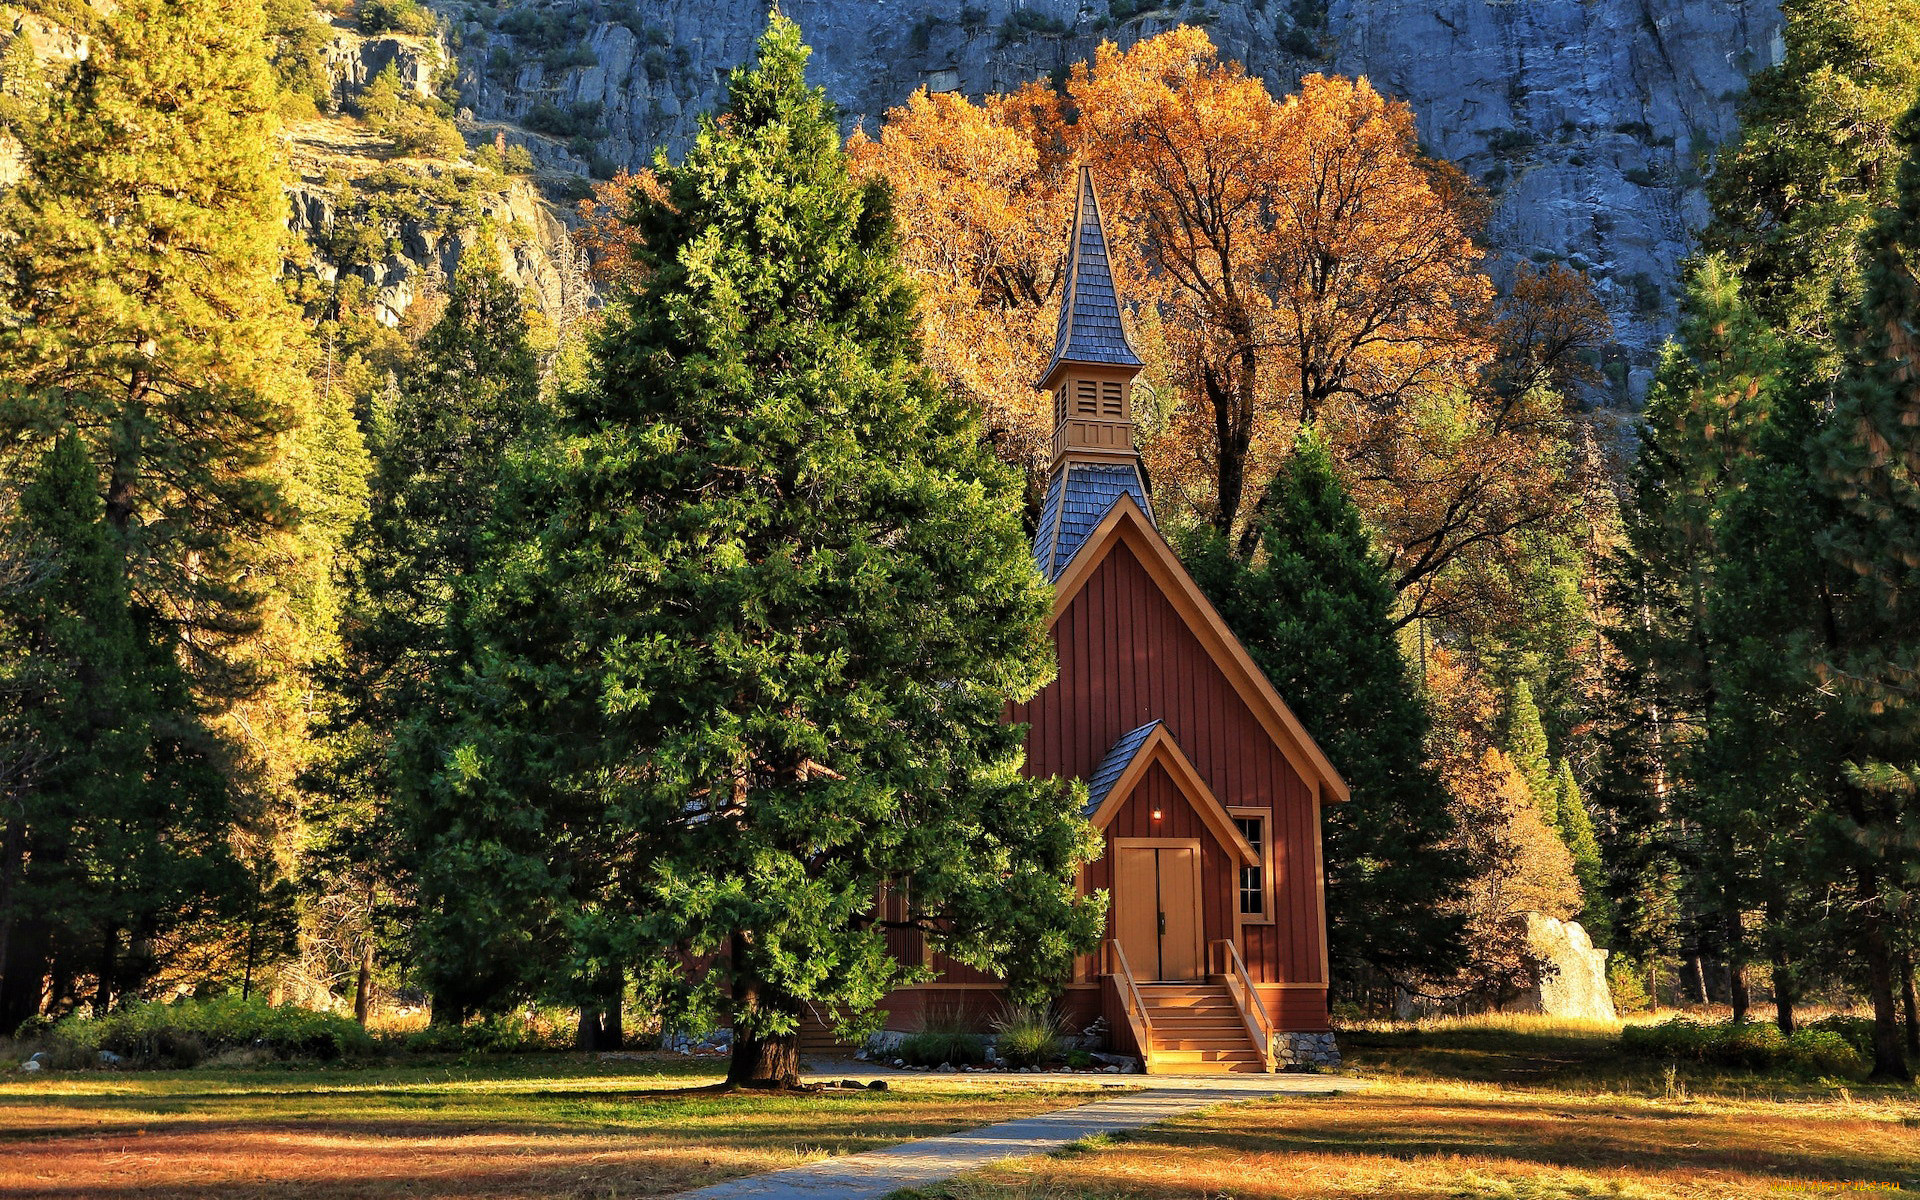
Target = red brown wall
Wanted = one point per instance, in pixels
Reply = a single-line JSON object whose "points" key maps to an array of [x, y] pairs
{"points": [[1126, 658]]}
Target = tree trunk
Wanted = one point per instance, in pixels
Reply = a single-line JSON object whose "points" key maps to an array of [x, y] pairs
{"points": [[447, 1010], [1782, 994], [772, 1062], [1698, 966], [587, 1035], [756, 1062], [363, 985], [1889, 1062], [103, 988], [613, 1026], [10, 988], [1908, 1002], [1737, 994], [1230, 480], [1782, 972]]}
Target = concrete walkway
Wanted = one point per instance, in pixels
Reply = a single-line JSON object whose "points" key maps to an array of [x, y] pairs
{"points": [[932, 1160]]}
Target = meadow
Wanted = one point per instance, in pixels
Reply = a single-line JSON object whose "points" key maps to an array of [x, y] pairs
{"points": [[536, 1125], [1504, 1108]]}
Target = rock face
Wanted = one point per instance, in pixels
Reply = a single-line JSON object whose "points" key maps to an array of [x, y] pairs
{"points": [[1589, 119], [1572, 980], [508, 221], [517, 231]]}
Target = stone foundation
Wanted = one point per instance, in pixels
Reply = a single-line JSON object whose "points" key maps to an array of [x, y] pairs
{"points": [[1305, 1051]]}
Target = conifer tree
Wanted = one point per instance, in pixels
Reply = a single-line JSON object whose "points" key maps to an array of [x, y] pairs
{"points": [[141, 310], [1315, 610], [1532, 757], [469, 395], [140, 306], [1871, 453], [116, 830], [1583, 843], [1795, 192], [743, 661]]}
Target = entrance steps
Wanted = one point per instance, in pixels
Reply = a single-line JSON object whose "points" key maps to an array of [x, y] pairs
{"points": [[1197, 1030]]}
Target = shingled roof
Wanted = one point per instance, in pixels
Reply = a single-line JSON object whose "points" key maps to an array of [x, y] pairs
{"points": [[1079, 496], [1089, 330], [1114, 765]]}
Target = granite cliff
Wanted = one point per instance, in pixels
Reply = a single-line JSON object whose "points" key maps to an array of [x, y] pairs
{"points": [[1590, 120]]}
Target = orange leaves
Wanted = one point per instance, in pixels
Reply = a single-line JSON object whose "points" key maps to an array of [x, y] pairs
{"points": [[981, 220], [1290, 257], [604, 232]]}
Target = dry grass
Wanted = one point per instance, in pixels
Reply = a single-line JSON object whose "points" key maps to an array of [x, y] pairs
{"points": [[1509, 1108], [545, 1126]]}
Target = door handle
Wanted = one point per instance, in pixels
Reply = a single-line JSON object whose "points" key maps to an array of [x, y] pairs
{"points": [[1163, 924]]}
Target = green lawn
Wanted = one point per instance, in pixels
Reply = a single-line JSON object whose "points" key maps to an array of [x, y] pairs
{"points": [[1503, 1110], [523, 1126]]}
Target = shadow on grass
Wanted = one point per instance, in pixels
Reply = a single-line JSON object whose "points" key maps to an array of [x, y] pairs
{"points": [[1534, 1132]]}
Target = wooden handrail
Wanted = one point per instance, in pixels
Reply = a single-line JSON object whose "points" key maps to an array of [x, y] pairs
{"points": [[1246, 998], [1132, 1001]]}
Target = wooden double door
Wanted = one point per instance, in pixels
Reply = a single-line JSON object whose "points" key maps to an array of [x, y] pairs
{"points": [[1156, 901]]}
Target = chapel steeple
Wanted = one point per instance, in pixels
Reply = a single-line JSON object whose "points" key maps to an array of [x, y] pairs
{"points": [[1093, 365], [1091, 377]]}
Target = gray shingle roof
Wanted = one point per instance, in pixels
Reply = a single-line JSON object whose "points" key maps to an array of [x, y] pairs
{"points": [[1089, 329], [1114, 765], [1079, 496]]}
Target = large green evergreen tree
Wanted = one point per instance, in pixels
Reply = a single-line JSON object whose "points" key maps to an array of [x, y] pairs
{"points": [[140, 306], [1527, 746], [469, 394], [1314, 608], [115, 833], [748, 668], [141, 312], [1871, 455], [1795, 191]]}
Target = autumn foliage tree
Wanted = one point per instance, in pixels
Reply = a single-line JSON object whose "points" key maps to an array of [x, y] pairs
{"points": [[1289, 259]]}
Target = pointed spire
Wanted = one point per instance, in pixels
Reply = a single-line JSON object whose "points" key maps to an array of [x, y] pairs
{"points": [[1089, 330]]}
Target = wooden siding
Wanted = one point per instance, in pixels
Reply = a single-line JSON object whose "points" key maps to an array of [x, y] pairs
{"points": [[1128, 657]]}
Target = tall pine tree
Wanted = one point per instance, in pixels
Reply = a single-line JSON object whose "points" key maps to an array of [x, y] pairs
{"points": [[1797, 189], [115, 834], [1532, 756], [747, 669], [468, 397], [1872, 459], [141, 311], [1315, 610]]}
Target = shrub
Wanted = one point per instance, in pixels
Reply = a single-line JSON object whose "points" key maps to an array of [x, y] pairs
{"points": [[417, 132], [519, 160], [185, 1031], [934, 1047], [1855, 1031], [511, 1033], [1511, 142], [392, 16], [1748, 1045], [1028, 1035], [581, 118], [1826, 1053]]}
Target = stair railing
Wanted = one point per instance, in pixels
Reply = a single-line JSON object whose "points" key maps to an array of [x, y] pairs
{"points": [[1246, 998], [1131, 1002]]}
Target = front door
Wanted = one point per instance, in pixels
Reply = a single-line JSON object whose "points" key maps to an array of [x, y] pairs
{"points": [[1156, 897]]}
